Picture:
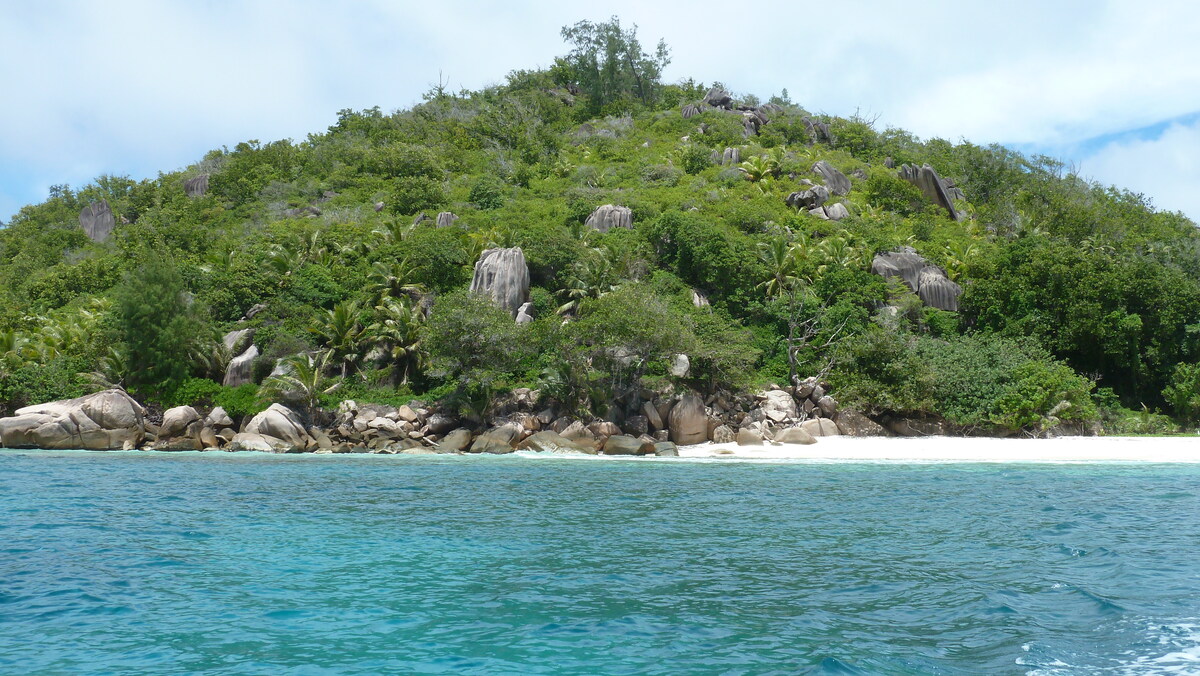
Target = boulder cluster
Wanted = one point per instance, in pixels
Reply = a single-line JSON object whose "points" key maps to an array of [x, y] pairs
{"points": [[928, 281], [640, 423]]}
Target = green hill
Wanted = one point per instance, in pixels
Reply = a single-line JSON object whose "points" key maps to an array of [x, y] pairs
{"points": [[1078, 301]]}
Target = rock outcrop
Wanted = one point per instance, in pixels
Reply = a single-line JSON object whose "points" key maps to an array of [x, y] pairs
{"points": [[503, 275], [835, 180], [608, 216], [103, 421], [283, 424], [932, 186], [445, 219], [808, 199], [688, 421], [196, 186], [718, 98], [241, 368], [97, 221], [929, 282]]}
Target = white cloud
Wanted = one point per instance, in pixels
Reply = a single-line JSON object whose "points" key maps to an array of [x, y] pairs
{"points": [[1166, 168], [136, 86]]}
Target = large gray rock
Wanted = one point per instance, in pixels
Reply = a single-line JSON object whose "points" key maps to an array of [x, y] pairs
{"points": [[680, 365], [808, 199], [623, 444], [252, 441], [666, 449], [718, 98], [688, 421], [498, 440], [236, 342], [241, 368], [932, 186], [445, 219], [730, 156], [175, 421], [609, 216], [854, 424], [103, 421], [218, 418], [723, 434], [690, 110], [795, 435], [196, 186], [820, 427], [97, 221], [937, 290], [503, 275], [836, 211], [551, 442], [905, 264], [835, 180], [778, 405], [749, 437], [282, 423], [818, 131], [456, 441]]}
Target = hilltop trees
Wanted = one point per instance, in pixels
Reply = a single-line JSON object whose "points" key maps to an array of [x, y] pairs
{"points": [[609, 65]]}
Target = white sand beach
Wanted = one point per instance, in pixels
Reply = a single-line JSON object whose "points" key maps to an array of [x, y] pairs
{"points": [[966, 449]]}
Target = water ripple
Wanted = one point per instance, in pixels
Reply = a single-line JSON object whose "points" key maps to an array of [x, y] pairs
{"points": [[259, 564]]}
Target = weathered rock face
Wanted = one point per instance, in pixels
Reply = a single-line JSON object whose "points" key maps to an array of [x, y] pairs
{"points": [[525, 313], [176, 420], [718, 98], [820, 427], [690, 110], [608, 216], [218, 418], [795, 435], [927, 281], [854, 424], [680, 365], [936, 290], [723, 434], [445, 219], [197, 186], [241, 368], [237, 341], [835, 180], [251, 441], [688, 421], [551, 442], [666, 449], [905, 264], [498, 440], [818, 131], [503, 275], [749, 437], [623, 444], [282, 423], [97, 221], [102, 421], [808, 199], [778, 405], [932, 186], [456, 441], [730, 156], [836, 211]]}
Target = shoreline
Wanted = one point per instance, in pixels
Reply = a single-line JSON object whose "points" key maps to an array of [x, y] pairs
{"points": [[839, 449]]}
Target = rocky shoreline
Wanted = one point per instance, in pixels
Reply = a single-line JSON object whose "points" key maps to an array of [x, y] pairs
{"points": [[645, 424]]}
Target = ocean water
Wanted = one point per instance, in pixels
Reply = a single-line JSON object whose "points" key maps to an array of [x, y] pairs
{"points": [[145, 563]]}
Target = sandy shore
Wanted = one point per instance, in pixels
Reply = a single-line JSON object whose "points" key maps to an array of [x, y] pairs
{"points": [[959, 449]]}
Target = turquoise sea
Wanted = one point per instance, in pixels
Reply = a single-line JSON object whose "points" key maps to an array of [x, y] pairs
{"points": [[215, 563]]}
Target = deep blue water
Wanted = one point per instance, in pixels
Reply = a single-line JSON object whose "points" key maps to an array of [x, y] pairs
{"points": [[117, 563]]}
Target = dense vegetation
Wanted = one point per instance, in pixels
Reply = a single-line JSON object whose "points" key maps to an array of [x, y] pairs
{"points": [[1081, 302]]}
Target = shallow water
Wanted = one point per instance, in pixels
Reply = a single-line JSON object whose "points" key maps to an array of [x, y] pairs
{"points": [[259, 564]]}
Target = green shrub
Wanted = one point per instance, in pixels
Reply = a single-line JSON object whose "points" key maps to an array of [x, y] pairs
{"points": [[193, 392], [240, 401], [410, 194], [488, 192]]}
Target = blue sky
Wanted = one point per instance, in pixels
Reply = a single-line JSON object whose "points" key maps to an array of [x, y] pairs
{"points": [[133, 87]]}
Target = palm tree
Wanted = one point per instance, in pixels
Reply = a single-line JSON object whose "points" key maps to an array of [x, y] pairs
{"points": [[593, 276], [341, 332], [391, 280], [302, 377], [397, 329], [780, 259]]}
